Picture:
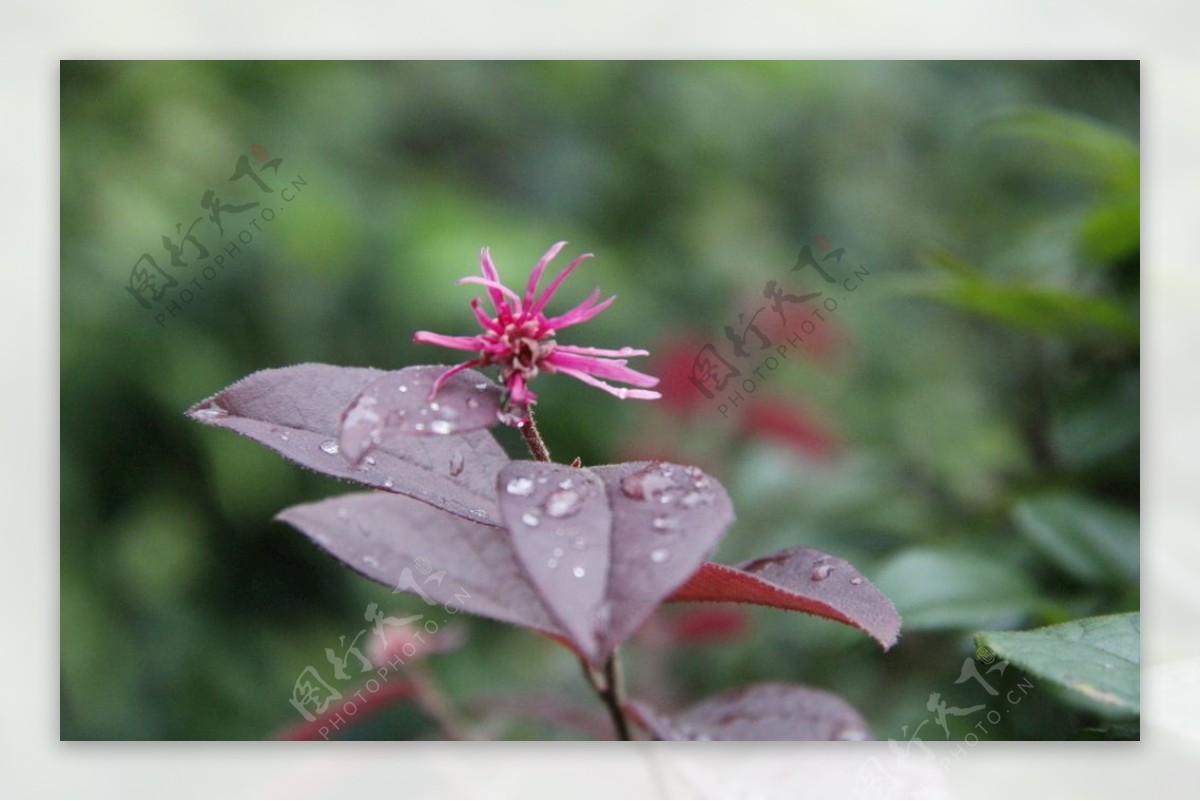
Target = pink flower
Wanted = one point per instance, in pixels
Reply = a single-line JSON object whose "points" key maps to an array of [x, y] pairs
{"points": [[520, 339]]}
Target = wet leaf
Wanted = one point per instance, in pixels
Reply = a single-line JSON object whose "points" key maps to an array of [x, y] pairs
{"points": [[416, 548], [803, 580], [296, 412], [761, 712], [398, 404], [666, 520], [1096, 659], [561, 530]]}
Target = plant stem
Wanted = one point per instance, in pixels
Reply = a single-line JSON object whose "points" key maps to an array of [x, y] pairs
{"points": [[534, 441], [607, 685]]}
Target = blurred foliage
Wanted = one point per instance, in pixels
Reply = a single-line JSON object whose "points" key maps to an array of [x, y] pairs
{"points": [[979, 389]]}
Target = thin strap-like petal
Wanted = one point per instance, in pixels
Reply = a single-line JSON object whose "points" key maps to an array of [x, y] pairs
{"points": [[620, 392], [488, 267], [536, 276], [458, 343], [458, 368], [605, 368], [497, 290], [580, 314], [544, 298], [582, 351], [481, 316]]}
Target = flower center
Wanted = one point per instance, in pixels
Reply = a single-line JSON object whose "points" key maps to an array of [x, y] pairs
{"points": [[523, 349]]}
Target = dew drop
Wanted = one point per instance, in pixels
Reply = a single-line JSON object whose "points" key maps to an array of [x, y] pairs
{"points": [[580, 544], [659, 555], [564, 484], [371, 560], [851, 733], [664, 523], [821, 572], [562, 503], [552, 563], [449, 413], [456, 463], [479, 512], [558, 551], [481, 386], [645, 484], [369, 461], [441, 427], [329, 446], [284, 436], [511, 417], [529, 519], [693, 499], [856, 580], [388, 483], [210, 412], [435, 406], [403, 388], [419, 427], [472, 403], [579, 572], [519, 486]]}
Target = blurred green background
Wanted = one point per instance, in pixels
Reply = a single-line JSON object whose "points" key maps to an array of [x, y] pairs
{"points": [[964, 428]]}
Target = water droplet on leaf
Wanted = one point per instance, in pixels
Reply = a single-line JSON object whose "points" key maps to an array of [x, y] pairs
{"points": [[441, 427], [562, 503], [519, 486], [821, 572], [659, 555], [329, 446], [578, 572], [529, 519]]}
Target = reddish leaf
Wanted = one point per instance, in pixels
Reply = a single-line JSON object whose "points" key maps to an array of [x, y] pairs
{"points": [[762, 712], [398, 404], [666, 519], [419, 549], [698, 625], [803, 580], [296, 412], [561, 531]]}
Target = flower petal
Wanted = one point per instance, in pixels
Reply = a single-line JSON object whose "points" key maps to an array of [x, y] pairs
{"points": [[481, 316], [494, 287], [544, 298], [605, 368], [536, 276], [458, 368], [620, 392], [581, 313], [583, 351], [458, 343]]}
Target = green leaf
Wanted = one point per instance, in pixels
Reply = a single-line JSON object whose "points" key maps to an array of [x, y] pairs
{"points": [[1068, 144], [1095, 543], [1100, 421], [1048, 311], [935, 589], [1096, 659]]}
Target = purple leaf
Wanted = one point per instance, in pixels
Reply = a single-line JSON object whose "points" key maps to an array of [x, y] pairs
{"points": [[666, 519], [561, 531], [419, 549], [761, 712], [801, 579], [398, 404], [296, 412]]}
